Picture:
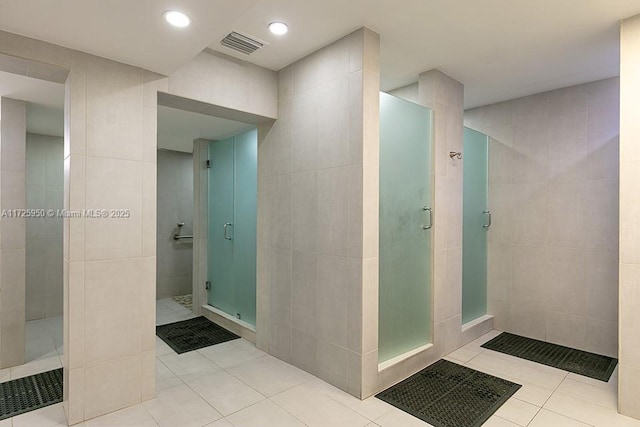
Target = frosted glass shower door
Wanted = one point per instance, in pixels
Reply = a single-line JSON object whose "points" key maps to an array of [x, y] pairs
{"points": [[232, 192], [475, 223], [405, 227]]}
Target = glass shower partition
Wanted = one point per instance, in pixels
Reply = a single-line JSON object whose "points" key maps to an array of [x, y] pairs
{"points": [[405, 307], [475, 224], [232, 225]]}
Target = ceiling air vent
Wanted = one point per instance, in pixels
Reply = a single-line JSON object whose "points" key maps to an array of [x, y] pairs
{"points": [[242, 42]]}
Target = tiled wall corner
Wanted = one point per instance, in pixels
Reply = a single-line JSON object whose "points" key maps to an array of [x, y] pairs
{"points": [[629, 233]]}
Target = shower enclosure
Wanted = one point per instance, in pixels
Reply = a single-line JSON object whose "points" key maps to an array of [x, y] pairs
{"points": [[232, 200], [475, 224], [405, 320]]}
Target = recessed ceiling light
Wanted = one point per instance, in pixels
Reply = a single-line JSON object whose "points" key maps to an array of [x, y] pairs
{"points": [[278, 28], [177, 19]]}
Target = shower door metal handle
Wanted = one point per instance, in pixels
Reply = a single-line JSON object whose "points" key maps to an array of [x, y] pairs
{"points": [[226, 236], [428, 226], [488, 212]]}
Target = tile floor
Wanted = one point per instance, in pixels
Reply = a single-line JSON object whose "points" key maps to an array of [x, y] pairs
{"points": [[236, 385]]}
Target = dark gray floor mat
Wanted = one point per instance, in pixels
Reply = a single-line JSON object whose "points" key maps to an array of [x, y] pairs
{"points": [[193, 334], [30, 393], [446, 394], [569, 359]]}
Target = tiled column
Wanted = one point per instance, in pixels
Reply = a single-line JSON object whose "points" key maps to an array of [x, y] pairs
{"points": [[445, 96], [12, 232], [109, 266], [629, 315]]}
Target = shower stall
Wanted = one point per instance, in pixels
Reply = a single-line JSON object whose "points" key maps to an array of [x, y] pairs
{"points": [[476, 220], [405, 276]]}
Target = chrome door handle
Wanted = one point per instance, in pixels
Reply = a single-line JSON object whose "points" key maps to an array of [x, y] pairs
{"points": [[488, 212], [428, 209], [226, 225]]}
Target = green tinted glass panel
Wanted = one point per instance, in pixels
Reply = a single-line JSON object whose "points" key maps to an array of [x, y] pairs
{"points": [[474, 235], [405, 247], [233, 187], [246, 194]]}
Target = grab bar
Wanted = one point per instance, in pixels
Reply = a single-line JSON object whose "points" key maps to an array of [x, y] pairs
{"points": [[178, 236], [488, 212]]}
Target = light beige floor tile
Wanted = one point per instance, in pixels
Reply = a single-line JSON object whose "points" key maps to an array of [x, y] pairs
{"points": [[164, 377], [397, 418], [528, 372], [590, 393], [163, 319], [587, 412], [220, 423], [40, 349], [496, 421], [135, 416], [37, 329], [611, 384], [463, 355], [6, 423], [265, 413], [50, 416], [180, 406], [316, 409], [517, 411], [225, 393], [526, 363], [163, 308], [269, 375], [162, 348], [371, 408], [547, 418], [227, 355], [36, 367], [189, 366], [5, 375], [530, 393]]}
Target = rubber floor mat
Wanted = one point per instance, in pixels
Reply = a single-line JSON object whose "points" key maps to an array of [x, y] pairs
{"points": [[568, 359], [30, 393], [193, 334], [446, 394]]}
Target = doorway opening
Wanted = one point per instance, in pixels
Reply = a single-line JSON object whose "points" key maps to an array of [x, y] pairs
{"points": [[206, 215]]}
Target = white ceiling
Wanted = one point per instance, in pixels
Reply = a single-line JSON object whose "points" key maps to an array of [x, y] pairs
{"points": [[500, 49], [178, 128], [45, 102]]}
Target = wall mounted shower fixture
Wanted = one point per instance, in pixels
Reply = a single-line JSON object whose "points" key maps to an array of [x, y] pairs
{"points": [[455, 154]]}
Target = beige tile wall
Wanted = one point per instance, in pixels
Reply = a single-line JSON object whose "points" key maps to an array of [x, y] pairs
{"points": [[553, 192], [629, 382], [44, 190], [312, 225], [13, 134], [174, 269]]}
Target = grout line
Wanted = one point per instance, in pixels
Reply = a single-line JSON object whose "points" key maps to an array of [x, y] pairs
{"points": [[548, 398]]}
